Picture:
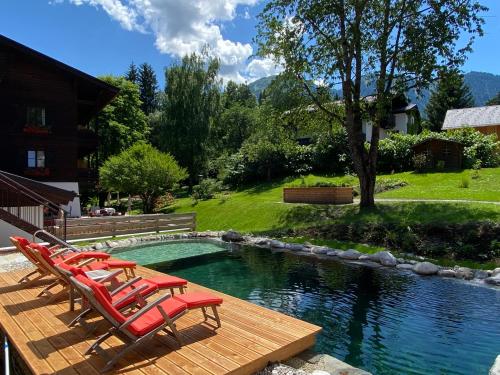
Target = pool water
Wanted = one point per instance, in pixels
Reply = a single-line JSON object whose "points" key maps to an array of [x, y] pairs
{"points": [[381, 320], [167, 251]]}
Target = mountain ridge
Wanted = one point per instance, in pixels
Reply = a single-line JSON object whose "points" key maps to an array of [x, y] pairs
{"points": [[483, 86]]}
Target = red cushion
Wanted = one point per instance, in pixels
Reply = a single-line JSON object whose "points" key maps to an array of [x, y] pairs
{"points": [[167, 281], [198, 299], [103, 298], [85, 255], [46, 254], [153, 318], [74, 270], [95, 266], [118, 263], [150, 289]]}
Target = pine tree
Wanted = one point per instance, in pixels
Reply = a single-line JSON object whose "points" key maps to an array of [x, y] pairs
{"points": [[450, 93], [495, 100], [132, 74], [148, 85]]}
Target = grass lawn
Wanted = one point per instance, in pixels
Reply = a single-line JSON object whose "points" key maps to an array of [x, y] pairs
{"points": [[260, 208]]}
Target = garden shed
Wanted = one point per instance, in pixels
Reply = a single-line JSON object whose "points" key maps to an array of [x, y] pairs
{"points": [[440, 150]]}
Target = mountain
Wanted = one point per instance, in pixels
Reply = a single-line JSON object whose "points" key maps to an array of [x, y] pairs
{"points": [[483, 87], [256, 87]]}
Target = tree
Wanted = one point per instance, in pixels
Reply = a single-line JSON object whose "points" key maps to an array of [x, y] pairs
{"points": [[495, 100], [397, 44], [141, 170], [238, 94], [192, 99], [232, 128], [148, 86], [121, 123], [132, 75], [451, 93]]}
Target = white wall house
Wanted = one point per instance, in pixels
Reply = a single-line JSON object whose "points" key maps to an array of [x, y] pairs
{"points": [[404, 123]]}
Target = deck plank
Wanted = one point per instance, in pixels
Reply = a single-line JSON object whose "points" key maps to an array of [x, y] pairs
{"points": [[250, 337]]}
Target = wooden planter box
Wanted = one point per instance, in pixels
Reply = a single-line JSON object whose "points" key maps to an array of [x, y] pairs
{"points": [[318, 195]]}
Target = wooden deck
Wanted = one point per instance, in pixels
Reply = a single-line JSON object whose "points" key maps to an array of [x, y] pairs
{"points": [[250, 337]]}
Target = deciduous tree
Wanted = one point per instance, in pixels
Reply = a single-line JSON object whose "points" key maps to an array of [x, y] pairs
{"points": [[141, 170], [397, 44], [192, 99]]}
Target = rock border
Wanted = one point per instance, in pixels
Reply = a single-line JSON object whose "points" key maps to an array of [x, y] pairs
{"points": [[379, 259]]}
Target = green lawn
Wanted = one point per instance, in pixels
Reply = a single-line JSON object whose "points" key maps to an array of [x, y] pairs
{"points": [[260, 208]]}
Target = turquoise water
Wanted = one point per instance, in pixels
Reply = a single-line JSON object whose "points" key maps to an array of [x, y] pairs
{"points": [[384, 321], [164, 252]]}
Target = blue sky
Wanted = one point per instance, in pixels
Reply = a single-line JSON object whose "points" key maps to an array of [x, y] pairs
{"points": [[104, 36]]}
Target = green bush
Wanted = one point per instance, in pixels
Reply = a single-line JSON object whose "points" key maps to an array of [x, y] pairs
{"points": [[331, 152], [206, 189], [395, 152], [420, 162]]}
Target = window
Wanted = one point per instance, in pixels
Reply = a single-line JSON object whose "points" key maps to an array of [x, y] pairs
{"points": [[35, 116], [36, 159]]}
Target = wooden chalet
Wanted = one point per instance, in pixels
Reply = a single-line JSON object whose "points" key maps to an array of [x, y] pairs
{"points": [[46, 107], [440, 150]]}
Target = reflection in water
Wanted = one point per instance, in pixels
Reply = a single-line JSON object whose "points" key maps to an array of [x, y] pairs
{"points": [[382, 320]]}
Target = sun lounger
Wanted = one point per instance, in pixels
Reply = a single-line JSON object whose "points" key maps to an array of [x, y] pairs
{"points": [[130, 294], [42, 256], [136, 329]]}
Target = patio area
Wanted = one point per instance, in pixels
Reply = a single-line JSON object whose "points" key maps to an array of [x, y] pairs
{"points": [[250, 337]]}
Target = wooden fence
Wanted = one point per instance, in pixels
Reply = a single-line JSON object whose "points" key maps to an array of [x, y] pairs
{"points": [[107, 226]]}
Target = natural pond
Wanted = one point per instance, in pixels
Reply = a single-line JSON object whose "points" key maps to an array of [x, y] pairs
{"points": [[383, 320]]}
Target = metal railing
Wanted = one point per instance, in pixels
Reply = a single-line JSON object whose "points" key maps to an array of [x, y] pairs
{"points": [[28, 206]]}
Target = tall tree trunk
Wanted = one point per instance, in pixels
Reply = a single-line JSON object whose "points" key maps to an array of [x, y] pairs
{"points": [[367, 188]]}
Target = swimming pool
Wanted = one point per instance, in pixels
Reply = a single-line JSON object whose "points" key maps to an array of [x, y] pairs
{"points": [[158, 253], [382, 320]]}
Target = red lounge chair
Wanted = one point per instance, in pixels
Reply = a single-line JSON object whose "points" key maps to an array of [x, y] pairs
{"points": [[57, 254], [136, 329], [129, 294], [42, 256]]}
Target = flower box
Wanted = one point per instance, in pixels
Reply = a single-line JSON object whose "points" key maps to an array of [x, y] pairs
{"points": [[37, 130], [37, 172], [318, 195]]}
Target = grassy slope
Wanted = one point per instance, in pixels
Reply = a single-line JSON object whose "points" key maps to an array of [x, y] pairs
{"points": [[260, 208]]}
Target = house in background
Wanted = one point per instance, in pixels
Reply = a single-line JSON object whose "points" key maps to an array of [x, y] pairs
{"points": [[440, 153], [46, 107], [483, 119], [405, 119]]}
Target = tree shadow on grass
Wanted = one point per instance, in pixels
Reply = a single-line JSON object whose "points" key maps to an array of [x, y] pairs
{"points": [[398, 213]]}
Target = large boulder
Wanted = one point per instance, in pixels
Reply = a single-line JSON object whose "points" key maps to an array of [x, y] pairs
{"points": [[276, 244], [320, 249], [495, 369], [464, 273], [350, 254], [495, 272], [387, 259], [493, 280], [232, 236], [425, 268], [447, 273]]}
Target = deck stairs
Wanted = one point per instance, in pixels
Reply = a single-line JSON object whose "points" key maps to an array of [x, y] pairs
{"points": [[23, 208]]}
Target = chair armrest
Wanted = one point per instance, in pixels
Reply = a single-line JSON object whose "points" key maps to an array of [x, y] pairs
{"points": [[145, 309], [85, 262], [133, 292], [109, 277], [125, 285], [58, 253]]}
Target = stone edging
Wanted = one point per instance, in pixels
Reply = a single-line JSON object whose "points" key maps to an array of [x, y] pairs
{"points": [[381, 258]]}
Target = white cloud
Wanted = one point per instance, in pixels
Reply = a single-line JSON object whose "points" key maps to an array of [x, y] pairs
{"points": [[181, 27], [262, 67]]}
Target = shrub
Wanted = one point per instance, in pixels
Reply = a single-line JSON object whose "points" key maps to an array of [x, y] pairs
{"points": [[395, 152], [331, 153], [206, 189], [440, 165], [464, 182], [420, 162], [163, 202]]}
